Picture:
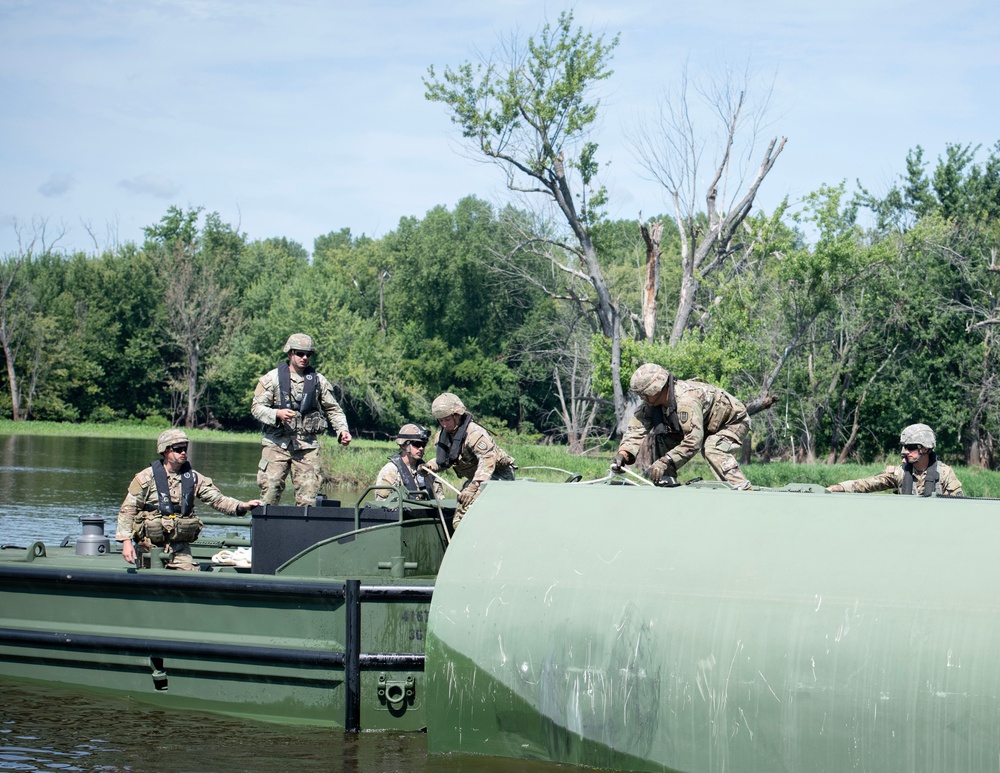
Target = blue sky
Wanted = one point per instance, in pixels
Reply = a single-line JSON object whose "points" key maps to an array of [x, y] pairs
{"points": [[304, 117]]}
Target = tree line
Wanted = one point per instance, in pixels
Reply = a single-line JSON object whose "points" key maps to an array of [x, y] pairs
{"points": [[848, 318]]}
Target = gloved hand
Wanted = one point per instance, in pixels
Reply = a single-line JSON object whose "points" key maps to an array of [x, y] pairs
{"points": [[836, 488], [429, 466], [661, 468], [468, 495], [618, 463]]}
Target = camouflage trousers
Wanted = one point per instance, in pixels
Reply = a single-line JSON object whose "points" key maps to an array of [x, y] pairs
{"points": [[180, 557], [275, 465], [505, 474], [720, 452]]}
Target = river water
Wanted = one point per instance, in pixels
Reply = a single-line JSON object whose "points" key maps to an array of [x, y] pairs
{"points": [[46, 484]]}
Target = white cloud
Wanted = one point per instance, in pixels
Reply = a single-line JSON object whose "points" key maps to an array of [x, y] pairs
{"points": [[56, 185], [151, 185]]}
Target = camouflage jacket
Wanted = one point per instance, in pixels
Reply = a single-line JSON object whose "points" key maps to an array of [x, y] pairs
{"points": [[892, 479], [480, 456], [141, 499], [701, 410], [302, 433], [389, 476]]}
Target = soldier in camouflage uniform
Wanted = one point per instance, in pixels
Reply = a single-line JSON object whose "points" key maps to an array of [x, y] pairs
{"points": [[402, 468], [294, 403], [921, 473], [150, 516], [466, 447], [685, 417]]}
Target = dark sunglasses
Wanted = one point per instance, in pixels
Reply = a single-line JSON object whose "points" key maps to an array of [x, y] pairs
{"points": [[418, 443], [299, 353], [179, 449], [912, 447]]}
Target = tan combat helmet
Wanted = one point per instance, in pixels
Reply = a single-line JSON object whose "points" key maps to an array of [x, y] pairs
{"points": [[919, 434], [299, 341], [169, 438], [411, 432], [649, 379], [445, 405]]}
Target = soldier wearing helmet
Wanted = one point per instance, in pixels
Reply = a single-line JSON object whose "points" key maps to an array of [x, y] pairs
{"points": [[294, 403], [402, 468], [468, 448], [158, 509], [684, 417], [921, 472]]}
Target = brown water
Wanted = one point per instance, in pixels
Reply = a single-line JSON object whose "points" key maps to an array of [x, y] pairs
{"points": [[46, 484]]}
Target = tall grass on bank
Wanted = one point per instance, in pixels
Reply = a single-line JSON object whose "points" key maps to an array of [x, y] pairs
{"points": [[120, 429]]}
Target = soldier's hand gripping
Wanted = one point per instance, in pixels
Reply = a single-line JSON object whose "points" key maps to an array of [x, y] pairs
{"points": [[618, 463], [660, 469], [468, 494]]}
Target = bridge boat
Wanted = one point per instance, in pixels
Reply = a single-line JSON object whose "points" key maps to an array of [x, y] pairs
{"points": [[325, 627]]}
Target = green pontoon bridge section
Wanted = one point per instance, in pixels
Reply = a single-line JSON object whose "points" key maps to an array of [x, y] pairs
{"points": [[702, 629], [335, 636]]}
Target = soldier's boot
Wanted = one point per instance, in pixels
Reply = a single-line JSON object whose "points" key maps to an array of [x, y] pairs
{"points": [[181, 558]]}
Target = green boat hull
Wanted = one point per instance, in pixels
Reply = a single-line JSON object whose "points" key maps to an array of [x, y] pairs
{"points": [[702, 629], [266, 646]]}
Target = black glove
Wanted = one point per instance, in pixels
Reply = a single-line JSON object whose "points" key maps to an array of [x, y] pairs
{"points": [[468, 495], [618, 463], [660, 469]]}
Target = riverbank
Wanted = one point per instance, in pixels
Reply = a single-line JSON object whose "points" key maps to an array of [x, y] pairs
{"points": [[357, 466]]}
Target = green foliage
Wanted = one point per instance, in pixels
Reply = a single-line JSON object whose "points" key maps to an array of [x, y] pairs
{"points": [[533, 109], [698, 356]]}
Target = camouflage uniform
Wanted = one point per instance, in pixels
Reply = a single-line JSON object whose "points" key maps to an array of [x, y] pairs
{"points": [[294, 448], [389, 476], [711, 421], [141, 503], [892, 479], [479, 459]]}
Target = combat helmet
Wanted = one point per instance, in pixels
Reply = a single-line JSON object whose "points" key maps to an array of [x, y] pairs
{"points": [[410, 432], [299, 341], [649, 379], [445, 405], [169, 438], [920, 434]]}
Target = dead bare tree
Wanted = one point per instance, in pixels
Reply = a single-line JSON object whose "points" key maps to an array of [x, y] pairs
{"points": [[652, 234], [671, 149]]}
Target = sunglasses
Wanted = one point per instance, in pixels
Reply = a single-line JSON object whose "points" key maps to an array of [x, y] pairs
{"points": [[418, 443], [179, 449], [299, 353], [911, 447]]}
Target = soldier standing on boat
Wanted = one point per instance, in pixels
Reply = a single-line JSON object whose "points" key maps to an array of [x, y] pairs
{"points": [[158, 509], [921, 473], [468, 448], [402, 469], [685, 417], [294, 403]]}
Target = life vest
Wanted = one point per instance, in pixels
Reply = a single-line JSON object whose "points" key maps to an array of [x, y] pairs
{"points": [[309, 381], [667, 431], [163, 502], [448, 451], [932, 478], [412, 483]]}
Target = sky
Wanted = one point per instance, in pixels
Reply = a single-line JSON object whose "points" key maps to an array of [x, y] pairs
{"points": [[296, 118]]}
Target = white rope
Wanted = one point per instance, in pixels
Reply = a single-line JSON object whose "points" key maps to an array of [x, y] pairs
{"points": [[638, 477], [433, 474]]}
